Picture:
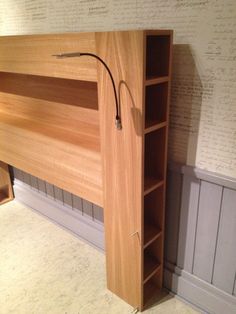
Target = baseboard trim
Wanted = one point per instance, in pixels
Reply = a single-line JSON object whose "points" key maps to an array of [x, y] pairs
{"points": [[83, 227], [197, 291]]}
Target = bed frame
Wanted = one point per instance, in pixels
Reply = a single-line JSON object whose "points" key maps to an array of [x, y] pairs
{"points": [[57, 122]]}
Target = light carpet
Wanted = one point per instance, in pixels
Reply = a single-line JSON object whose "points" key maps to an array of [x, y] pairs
{"points": [[46, 270]]}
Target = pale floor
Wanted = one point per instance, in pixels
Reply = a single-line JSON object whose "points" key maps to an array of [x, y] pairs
{"points": [[45, 269]]}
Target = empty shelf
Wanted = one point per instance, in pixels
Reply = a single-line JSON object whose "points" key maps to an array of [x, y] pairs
{"points": [[151, 233]]}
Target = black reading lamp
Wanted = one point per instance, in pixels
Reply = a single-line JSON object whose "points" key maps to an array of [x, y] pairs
{"points": [[80, 54]]}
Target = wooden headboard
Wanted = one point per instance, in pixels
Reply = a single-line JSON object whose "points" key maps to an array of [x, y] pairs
{"points": [[57, 122], [49, 122]]}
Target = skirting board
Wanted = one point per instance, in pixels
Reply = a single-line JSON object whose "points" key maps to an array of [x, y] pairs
{"points": [[80, 225], [197, 291]]}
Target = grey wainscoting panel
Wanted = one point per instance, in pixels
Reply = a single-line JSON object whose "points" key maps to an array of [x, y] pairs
{"points": [[26, 178], [67, 199], [77, 203], [41, 186], [225, 261], [17, 174], [58, 194], [50, 190], [34, 182], [207, 229], [98, 213], [188, 218], [87, 208], [173, 201]]}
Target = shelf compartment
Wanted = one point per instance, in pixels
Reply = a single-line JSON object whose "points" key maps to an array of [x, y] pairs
{"points": [[153, 126], [155, 104], [151, 266], [151, 184], [154, 209], [156, 80], [157, 55], [151, 233], [152, 259], [154, 163], [152, 292]]}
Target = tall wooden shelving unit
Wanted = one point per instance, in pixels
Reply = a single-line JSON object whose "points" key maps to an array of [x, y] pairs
{"points": [[157, 91], [66, 108], [134, 160]]}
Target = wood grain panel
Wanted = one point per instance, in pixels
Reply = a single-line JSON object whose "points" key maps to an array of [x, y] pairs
{"points": [[33, 55], [225, 260], [187, 226], [30, 146], [207, 228], [59, 90], [122, 160]]}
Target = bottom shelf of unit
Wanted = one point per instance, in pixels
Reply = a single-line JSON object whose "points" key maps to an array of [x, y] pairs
{"points": [[152, 294], [4, 196], [151, 267]]}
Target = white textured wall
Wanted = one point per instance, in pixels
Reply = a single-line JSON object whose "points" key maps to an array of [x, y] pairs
{"points": [[203, 106]]}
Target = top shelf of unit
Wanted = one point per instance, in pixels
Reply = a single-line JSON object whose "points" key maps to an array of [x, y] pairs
{"points": [[157, 55]]}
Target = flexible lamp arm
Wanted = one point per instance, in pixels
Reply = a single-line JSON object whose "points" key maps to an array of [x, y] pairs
{"points": [[80, 54]]}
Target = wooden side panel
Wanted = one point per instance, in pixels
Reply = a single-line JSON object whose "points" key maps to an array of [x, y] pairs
{"points": [[122, 158], [188, 218], [173, 203], [6, 193], [33, 55], [207, 228], [225, 261]]}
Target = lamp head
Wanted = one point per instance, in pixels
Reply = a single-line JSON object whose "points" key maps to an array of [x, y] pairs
{"points": [[67, 55]]}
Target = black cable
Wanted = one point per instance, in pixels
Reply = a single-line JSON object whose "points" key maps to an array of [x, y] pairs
{"points": [[78, 54]]}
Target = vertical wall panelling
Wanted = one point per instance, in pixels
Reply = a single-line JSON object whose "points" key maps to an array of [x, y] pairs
{"points": [[207, 228], [77, 203], [67, 198], [188, 218], [58, 194], [98, 213], [174, 186], [26, 178], [34, 182], [225, 261], [87, 208], [50, 190], [41, 185], [17, 174]]}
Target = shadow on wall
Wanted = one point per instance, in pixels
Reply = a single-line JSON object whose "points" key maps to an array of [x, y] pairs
{"points": [[185, 113], [185, 106]]}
